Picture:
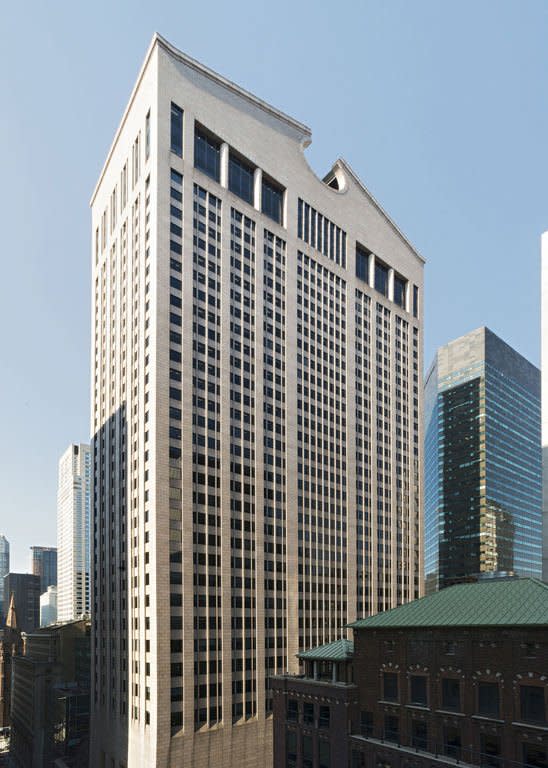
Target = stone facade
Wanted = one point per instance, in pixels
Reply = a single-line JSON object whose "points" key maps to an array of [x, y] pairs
{"points": [[257, 348]]}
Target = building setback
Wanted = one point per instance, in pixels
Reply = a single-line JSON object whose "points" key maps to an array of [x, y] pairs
{"points": [[25, 587], [483, 474], [456, 677], [73, 532], [44, 565], [256, 412]]}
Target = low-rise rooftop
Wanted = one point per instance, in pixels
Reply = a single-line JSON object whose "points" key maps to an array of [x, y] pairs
{"points": [[494, 602]]}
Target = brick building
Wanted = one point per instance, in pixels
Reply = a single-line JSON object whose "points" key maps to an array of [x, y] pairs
{"points": [[458, 676], [311, 711]]}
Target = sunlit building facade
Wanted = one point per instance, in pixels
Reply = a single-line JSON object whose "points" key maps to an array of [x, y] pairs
{"points": [[256, 417], [483, 478], [73, 532]]}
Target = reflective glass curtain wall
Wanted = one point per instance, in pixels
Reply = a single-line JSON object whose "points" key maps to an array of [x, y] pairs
{"points": [[483, 463]]}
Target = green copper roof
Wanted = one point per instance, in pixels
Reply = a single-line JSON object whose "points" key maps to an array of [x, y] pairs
{"points": [[496, 602], [340, 650]]}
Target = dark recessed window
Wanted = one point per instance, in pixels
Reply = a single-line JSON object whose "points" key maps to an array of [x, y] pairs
{"points": [[291, 748], [400, 285], [381, 278], [176, 129], [391, 728], [490, 751], [488, 699], [533, 708], [534, 756], [366, 723], [308, 754], [292, 710], [390, 686], [324, 718], [362, 264], [308, 713], [240, 178], [415, 301], [207, 154], [419, 734], [147, 136], [176, 719], [272, 200], [450, 694], [451, 742], [324, 754], [417, 690]]}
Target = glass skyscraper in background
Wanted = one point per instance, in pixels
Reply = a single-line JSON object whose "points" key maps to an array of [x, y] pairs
{"points": [[483, 478], [44, 564]]}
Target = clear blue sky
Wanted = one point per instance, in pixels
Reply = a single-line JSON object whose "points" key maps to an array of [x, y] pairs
{"points": [[440, 107]]}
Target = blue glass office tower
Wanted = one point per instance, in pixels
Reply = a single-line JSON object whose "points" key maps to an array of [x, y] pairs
{"points": [[483, 472]]}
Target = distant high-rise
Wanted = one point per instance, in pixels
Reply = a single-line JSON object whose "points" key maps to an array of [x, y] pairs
{"points": [[44, 564], [4, 570], [256, 413], [48, 607], [73, 543], [25, 588], [483, 505]]}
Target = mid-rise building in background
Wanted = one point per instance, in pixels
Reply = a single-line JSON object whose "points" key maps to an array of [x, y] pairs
{"points": [[73, 533], [483, 473], [256, 413], [25, 588], [50, 699], [4, 570], [44, 565], [48, 607]]}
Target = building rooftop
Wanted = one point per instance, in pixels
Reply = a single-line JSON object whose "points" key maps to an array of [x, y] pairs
{"points": [[339, 650], [496, 602]]}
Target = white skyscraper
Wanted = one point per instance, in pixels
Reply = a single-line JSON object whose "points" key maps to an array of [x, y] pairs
{"points": [[73, 534], [48, 606], [256, 417], [544, 398]]}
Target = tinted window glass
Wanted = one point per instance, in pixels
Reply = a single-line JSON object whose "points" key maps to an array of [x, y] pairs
{"points": [[418, 689], [272, 201], [399, 290], [391, 728], [390, 688], [176, 129], [362, 264], [207, 154], [292, 710], [532, 703], [488, 699], [308, 713], [240, 178], [381, 278], [450, 694]]}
